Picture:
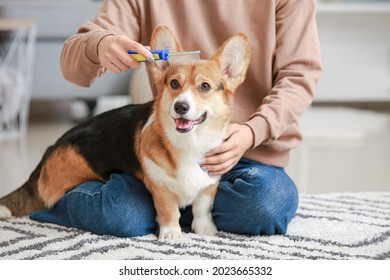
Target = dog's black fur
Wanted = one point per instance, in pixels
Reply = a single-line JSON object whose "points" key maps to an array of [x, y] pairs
{"points": [[107, 141]]}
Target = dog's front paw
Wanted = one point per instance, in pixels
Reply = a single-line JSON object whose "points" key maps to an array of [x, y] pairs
{"points": [[204, 226], [170, 233]]}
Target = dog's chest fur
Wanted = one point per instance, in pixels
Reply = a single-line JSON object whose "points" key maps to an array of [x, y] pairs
{"points": [[189, 179]]}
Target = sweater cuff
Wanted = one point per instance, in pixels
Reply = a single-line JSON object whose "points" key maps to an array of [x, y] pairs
{"points": [[92, 42], [260, 129]]}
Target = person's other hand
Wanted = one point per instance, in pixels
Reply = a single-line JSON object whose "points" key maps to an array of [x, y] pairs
{"points": [[220, 160]]}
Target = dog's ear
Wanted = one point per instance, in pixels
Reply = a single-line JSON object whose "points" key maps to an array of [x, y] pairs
{"points": [[163, 38], [233, 58]]}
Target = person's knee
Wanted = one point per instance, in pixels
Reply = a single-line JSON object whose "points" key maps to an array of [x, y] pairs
{"points": [[274, 200], [262, 202]]}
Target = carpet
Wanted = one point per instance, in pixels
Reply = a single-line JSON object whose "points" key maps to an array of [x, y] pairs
{"points": [[326, 226]]}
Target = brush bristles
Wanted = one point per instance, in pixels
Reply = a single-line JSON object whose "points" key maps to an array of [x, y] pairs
{"points": [[184, 58], [178, 63]]}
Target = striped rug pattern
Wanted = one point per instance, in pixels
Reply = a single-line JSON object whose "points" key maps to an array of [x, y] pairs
{"points": [[327, 226]]}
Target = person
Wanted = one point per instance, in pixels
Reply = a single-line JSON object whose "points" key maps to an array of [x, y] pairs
{"points": [[255, 196]]}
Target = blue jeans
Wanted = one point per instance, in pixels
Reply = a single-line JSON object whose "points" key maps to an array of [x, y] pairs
{"points": [[252, 198]]}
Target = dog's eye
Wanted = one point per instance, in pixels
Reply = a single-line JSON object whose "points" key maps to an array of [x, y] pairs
{"points": [[175, 84], [204, 87]]}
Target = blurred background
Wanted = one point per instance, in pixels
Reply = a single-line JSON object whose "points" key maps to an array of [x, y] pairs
{"points": [[346, 131]]}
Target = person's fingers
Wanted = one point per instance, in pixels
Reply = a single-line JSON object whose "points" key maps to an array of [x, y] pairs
{"points": [[113, 54], [217, 155], [221, 168], [140, 49], [113, 68]]}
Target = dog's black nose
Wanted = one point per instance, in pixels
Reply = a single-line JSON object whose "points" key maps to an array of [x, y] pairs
{"points": [[182, 108]]}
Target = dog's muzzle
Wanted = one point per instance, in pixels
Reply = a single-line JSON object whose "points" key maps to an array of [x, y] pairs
{"points": [[184, 125]]}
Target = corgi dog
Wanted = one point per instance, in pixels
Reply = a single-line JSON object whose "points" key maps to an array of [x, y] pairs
{"points": [[160, 142]]}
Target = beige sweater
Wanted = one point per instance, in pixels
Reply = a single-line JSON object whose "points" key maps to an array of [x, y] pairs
{"points": [[284, 69]]}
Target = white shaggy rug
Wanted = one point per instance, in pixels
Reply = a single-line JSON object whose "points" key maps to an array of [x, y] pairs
{"points": [[327, 226]]}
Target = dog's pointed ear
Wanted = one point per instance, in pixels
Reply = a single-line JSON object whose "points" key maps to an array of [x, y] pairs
{"points": [[233, 58], [163, 38]]}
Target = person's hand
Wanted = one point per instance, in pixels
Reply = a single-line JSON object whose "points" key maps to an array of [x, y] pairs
{"points": [[112, 52], [220, 160]]}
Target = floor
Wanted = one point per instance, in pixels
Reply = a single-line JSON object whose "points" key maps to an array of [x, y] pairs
{"points": [[343, 150]]}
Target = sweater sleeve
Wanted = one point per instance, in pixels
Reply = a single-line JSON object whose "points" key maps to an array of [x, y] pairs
{"points": [[296, 70], [79, 58]]}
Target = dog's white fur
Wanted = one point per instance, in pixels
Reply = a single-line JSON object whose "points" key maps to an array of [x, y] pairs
{"points": [[5, 213]]}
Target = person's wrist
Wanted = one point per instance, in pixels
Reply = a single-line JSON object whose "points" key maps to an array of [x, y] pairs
{"points": [[260, 129], [92, 44], [248, 137], [102, 42]]}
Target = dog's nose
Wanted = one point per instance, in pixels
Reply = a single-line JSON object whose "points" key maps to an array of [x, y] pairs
{"points": [[181, 108]]}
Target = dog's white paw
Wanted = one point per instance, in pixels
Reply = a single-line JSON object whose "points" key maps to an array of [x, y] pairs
{"points": [[204, 226], [170, 233], [5, 213]]}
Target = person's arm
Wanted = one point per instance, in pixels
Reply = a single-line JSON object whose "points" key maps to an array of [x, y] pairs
{"points": [[102, 44], [297, 68]]}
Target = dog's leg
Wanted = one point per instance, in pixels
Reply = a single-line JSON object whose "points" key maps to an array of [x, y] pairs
{"points": [[64, 169], [168, 215], [201, 209]]}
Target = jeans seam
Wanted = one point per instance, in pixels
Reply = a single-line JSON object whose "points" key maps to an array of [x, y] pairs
{"points": [[87, 192]]}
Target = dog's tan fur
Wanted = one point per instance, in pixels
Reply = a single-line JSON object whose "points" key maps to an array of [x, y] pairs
{"points": [[64, 169]]}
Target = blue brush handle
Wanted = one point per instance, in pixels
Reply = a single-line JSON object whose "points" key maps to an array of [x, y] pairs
{"points": [[157, 54]]}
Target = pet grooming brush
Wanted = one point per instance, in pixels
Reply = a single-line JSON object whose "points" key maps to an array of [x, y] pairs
{"points": [[191, 57]]}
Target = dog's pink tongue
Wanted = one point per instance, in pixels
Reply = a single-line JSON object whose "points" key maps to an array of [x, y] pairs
{"points": [[183, 123]]}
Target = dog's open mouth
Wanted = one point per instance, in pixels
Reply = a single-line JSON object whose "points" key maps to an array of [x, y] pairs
{"points": [[184, 125]]}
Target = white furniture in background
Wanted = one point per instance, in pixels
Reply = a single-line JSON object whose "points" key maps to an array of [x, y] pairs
{"points": [[343, 149], [355, 43], [17, 44]]}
